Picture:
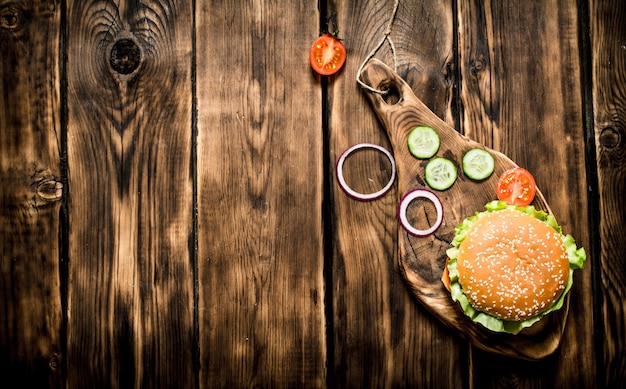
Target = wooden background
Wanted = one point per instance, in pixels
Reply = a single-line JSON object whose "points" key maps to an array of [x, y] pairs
{"points": [[170, 214]]}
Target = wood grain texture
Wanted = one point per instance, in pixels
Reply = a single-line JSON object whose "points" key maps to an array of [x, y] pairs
{"points": [[118, 118], [520, 94], [260, 227], [131, 277], [383, 336], [30, 195], [608, 43]]}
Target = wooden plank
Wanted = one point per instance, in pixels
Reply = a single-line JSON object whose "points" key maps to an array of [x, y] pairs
{"points": [[608, 50], [30, 300], [383, 336], [260, 249], [30, 171], [521, 91], [129, 139]]}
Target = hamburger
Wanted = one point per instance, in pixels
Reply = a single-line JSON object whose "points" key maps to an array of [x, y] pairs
{"points": [[509, 266]]}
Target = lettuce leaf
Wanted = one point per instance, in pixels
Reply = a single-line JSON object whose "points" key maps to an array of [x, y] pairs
{"points": [[577, 258]]}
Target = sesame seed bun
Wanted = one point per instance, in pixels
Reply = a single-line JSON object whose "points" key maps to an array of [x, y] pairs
{"points": [[512, 265]]}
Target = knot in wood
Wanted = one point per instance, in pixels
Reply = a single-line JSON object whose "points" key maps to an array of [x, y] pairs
{"points": [[610, 138], [478, 65], [11, 17], [125, 56], [50, 190], [54, 362]]}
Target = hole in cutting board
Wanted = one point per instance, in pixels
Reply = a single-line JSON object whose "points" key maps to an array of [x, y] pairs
{"points": [[392, 96]]}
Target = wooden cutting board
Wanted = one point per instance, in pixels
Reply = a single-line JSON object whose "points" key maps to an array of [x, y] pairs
{"points": [[422, 259]]}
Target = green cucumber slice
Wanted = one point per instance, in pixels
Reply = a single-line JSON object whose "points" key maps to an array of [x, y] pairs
{"points": [[440, 173], [423, 142], [478, 164]]}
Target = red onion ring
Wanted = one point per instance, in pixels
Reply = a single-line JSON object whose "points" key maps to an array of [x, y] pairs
{"points": [[404, 204], [364, 196]]}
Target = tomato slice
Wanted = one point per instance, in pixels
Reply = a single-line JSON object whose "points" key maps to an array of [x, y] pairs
{"points": [[516, 186], [327, 55]]}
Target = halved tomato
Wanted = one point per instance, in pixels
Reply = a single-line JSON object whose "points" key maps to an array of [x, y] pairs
{"points": [[516, 186], [327, 54]]}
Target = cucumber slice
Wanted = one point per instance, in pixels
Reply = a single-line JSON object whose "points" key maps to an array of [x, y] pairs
{"points": [[423, 142], [478, 164], [440, 173]]}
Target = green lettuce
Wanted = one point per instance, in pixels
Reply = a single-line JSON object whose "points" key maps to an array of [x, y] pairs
{"points": [[577, 258]]}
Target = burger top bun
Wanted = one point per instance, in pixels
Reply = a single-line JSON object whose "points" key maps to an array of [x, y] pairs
{"points": [[512, 265]]}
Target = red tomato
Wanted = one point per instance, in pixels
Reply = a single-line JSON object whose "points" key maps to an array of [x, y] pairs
{"points": [[516, 186], [327, 55]]}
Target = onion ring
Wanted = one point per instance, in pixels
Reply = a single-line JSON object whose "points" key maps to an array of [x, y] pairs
{"points": [[364, 196], [404, 204]]}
